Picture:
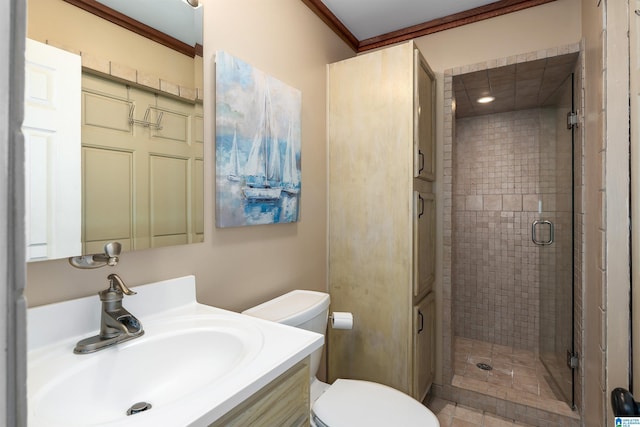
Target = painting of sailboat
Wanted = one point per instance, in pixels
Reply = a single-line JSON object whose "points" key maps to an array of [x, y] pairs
{"points": [[257, 146], [234, 175], [290, 170]]}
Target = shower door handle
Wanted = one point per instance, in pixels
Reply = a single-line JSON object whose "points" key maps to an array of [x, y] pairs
{"points": [[534, 236]]}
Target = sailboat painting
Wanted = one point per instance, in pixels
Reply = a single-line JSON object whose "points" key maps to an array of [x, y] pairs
{"points": [[257, 146]]}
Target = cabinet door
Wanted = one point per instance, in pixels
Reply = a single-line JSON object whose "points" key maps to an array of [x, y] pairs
{"points": [[424, 123], [283, 402], [424, 243], [424, 346]]}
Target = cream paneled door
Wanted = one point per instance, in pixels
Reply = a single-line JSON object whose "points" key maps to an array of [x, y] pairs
{"points": [[142, 185], [52, 142]]}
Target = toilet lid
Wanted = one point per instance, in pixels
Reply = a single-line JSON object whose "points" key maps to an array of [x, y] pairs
{"points": [[349, 403]]}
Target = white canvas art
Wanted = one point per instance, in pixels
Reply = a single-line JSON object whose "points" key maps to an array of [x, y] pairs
{"points": [[257, 146]]}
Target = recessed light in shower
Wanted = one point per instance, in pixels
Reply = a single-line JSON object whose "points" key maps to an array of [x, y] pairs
{"points": [[486, 99]]}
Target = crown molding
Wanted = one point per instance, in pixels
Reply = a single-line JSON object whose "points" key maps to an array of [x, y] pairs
{"points": [[115, 17], [470, 16]]}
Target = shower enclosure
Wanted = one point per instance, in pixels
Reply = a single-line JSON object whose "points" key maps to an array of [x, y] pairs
{"points": [[553, 233], [512, 240]]}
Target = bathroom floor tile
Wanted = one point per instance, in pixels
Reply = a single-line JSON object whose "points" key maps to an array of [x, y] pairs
{"points": [[452, 415]]}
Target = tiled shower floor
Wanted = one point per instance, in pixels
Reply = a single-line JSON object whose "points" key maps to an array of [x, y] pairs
{"points": [[517, 375]]}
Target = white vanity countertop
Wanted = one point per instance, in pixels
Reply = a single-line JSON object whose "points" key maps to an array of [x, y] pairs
{"points": [[281, 348]]}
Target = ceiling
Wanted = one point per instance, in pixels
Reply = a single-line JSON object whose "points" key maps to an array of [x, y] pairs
{"points": [[518, 86], [363, 24], [371, 18], [369, 24]]}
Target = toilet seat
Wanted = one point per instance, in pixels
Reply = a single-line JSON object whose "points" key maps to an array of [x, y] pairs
{"points": [[348, 403]]}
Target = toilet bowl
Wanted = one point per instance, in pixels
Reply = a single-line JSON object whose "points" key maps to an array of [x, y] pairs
{"points": [[345, 403]]}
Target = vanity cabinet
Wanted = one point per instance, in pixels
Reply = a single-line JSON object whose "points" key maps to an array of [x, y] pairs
{"points": [[283, 402], [382, 218]]}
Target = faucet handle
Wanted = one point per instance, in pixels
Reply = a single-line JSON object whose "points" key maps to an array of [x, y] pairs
{"points": [[112, 250], [115, 280]]}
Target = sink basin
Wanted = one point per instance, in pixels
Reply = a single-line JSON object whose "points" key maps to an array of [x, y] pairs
{"points": [[193, 364], [172, 360]]}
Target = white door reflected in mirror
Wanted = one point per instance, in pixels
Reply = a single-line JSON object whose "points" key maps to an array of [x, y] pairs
{"points": [[53, 148]]}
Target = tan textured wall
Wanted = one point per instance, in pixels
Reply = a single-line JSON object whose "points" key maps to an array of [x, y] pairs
{"points": [[237, 268]]}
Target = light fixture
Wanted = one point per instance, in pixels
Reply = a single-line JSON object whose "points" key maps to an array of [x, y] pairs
{"points": [[193, 3], [486, 99]]}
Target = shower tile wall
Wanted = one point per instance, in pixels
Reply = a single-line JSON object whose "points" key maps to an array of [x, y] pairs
{"points": [[497, 185]]}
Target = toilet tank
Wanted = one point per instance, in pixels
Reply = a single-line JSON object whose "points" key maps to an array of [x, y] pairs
{"points": [[307, 310], [303, 309]]}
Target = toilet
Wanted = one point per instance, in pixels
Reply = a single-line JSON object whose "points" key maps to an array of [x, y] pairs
{"points": [[345, 403]]}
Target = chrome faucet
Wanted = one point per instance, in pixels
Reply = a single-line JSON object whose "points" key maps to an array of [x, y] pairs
{"points": [[116, 324]]}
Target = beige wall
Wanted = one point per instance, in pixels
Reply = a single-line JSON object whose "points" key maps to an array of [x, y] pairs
{"points": [[239, 267]]}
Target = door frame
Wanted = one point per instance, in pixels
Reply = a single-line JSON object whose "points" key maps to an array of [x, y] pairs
{"points": [[13, 396], [634, 137]]}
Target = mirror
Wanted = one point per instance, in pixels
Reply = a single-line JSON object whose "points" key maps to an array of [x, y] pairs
{"points": [[122, 159]]}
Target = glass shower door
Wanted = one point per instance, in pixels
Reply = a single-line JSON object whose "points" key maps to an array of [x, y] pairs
{"points": [[552, 232]]}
